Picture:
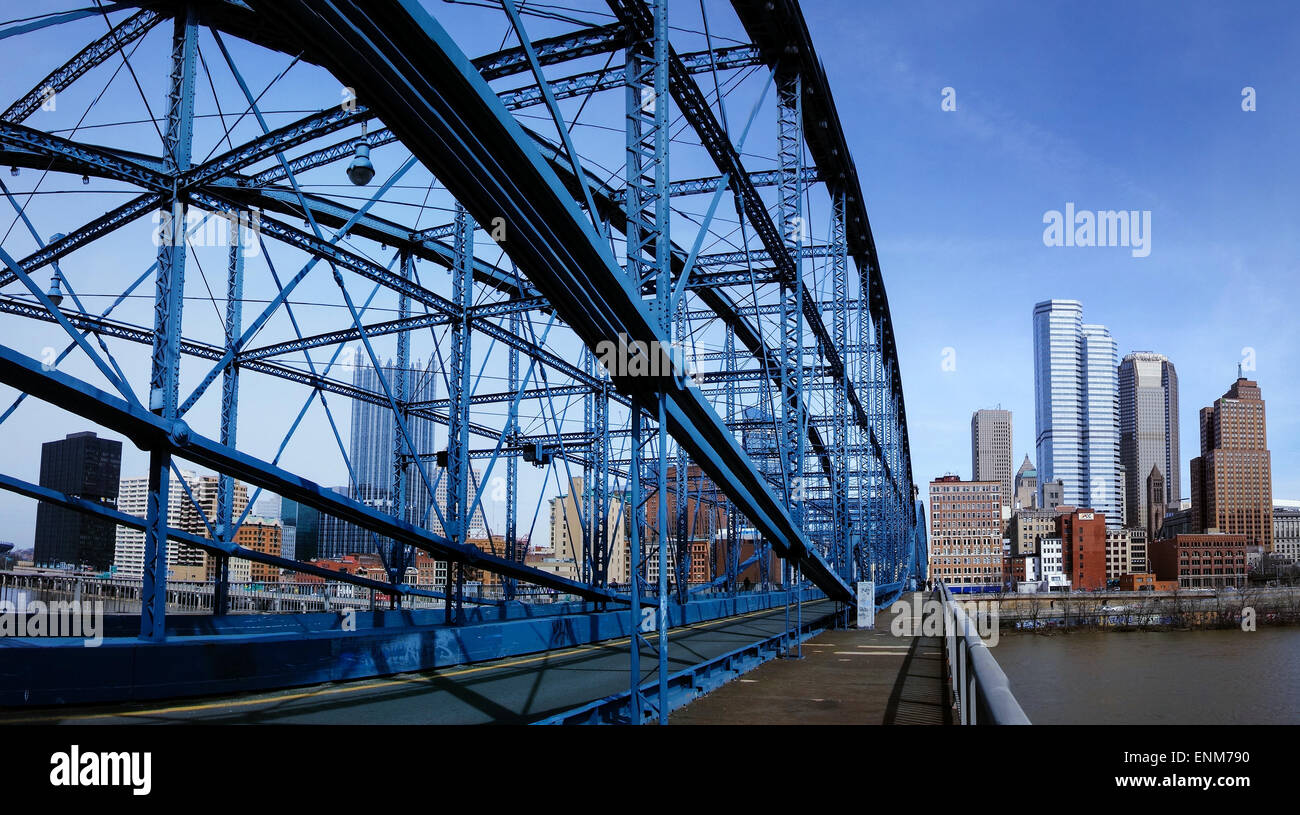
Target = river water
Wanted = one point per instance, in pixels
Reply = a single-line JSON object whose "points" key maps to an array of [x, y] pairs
{"points": [[1155, 677]]}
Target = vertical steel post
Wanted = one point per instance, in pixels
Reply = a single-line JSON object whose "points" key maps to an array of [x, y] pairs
{"points": [[664, 295], [785, 578], [841, 524], [168, 298], [402, 452], [229, 410], [790, 160], [681, 527], [863, 436], [663, 539], [647, 208], [632, 516], [733, 517], [512, 464], [584, 502], [459, 387], [602, 545], [798, 625]]}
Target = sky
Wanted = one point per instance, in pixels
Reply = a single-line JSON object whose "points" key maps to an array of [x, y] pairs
{"points": [[1112, 106]]}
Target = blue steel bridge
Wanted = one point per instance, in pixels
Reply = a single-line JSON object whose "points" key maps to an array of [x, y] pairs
{"points": [[498, 187]]}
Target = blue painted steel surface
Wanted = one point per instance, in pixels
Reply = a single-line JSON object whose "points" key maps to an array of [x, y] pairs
{"points": [[152, 432], [558, 247], [560, 221], [257, 652]]}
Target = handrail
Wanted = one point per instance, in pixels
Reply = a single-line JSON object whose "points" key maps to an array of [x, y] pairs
{"points": [[981, 692]]}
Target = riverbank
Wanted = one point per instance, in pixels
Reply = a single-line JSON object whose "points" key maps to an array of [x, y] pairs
{"points": [[1137, 611]]}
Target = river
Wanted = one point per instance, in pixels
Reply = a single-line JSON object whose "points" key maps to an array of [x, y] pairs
{"points": [[1155, 677]]}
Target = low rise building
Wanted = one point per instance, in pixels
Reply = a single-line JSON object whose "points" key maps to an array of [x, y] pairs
{"points": [[1028, 526], [1145, 581], [1213, 560], [1050, 565], [1083, 547], [1138, 549], [1118, 553], [1286, 531]]}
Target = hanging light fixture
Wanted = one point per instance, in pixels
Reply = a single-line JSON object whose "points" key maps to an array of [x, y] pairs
{"points": [[13, 171], [360, 170], [85, 179], [55, 293]]}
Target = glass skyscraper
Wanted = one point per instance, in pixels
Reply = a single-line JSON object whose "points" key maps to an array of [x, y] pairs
{"points": [[1148, 423], [371, 453], [1076, 408]]}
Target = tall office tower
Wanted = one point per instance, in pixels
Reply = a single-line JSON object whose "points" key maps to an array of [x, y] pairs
{"points": [[966, 534], [371, 447], [1026, 486], [1232, 478], [183, 562], [1148, 430], [990, 449], [206, 491], [371, 452], [567, 534], [706, 518], [82, 466], [1076, 408]]}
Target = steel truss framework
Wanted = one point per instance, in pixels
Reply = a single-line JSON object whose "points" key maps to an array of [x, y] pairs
{"points": [[788, 435]]}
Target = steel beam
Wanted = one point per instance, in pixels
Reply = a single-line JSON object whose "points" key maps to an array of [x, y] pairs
{"points": [[151, 432]]}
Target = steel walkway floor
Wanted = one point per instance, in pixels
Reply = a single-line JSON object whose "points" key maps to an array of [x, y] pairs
{"points": [[858, 676], [515, 690]]}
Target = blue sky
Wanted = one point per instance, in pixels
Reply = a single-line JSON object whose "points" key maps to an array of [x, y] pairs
{"points": [[1110, 106], [1133, 106]]}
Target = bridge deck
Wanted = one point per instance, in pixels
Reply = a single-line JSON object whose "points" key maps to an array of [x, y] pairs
{"points": [[514, 690], [858, 676]]}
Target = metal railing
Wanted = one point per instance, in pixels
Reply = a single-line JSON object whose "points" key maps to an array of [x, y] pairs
{"points": [[981, 693], [121, 595]]}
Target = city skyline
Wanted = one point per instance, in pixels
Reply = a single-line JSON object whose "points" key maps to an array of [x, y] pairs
{"points": [[1186, 413], [867, 236], [958, 198], [1016, 136]]}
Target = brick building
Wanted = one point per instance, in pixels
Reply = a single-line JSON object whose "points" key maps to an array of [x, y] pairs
{"points": [[966, 534], [1201, 561], [1083, 547], [1232, 480]]}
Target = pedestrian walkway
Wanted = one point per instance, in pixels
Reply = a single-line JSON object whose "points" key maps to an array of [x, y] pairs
{"points": [[854, 676]]}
